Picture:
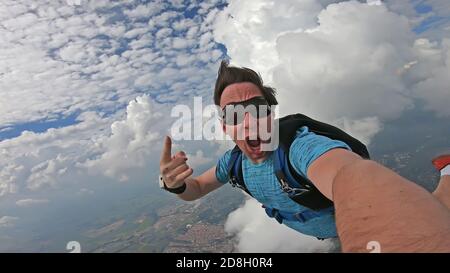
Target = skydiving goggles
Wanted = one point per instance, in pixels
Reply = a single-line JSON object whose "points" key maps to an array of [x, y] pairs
{"points": [[234, 113]]}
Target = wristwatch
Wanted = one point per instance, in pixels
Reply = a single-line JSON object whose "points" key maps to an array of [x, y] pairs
{"points": [[178, 190]]}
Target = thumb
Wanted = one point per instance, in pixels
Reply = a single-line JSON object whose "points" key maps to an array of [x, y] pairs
{"points": [[167, 150]]}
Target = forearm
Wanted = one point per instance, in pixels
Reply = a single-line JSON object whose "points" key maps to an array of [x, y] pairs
{"points": [[442, 192], [373, 203], [193, 190]]}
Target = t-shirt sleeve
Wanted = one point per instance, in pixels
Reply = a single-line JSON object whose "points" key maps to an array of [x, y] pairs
{"points": [[222, 167], [308, 146]]}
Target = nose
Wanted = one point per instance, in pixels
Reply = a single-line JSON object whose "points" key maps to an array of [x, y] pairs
{"points": [[250, 122]]}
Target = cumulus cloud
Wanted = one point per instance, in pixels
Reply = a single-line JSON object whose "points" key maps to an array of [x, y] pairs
{"points": [[31, 202], [115, 67], [339, 61], [8, 221], [62, 59], [10, 176], [430, 75], [198, 159], [115, 147], [33, 161], [94, 146], [258, 233], [130, 142], [355, 64], [145, 10], [84, 192], [362, 129]]}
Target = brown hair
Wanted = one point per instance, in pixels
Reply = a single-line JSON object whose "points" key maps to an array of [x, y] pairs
{"points": [[229, 74]]}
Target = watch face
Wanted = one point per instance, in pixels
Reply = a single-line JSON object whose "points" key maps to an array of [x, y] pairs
{"points": [[161, 182]]}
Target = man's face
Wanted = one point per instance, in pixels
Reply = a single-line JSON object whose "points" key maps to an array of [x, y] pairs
{"points": [[247, 119]]}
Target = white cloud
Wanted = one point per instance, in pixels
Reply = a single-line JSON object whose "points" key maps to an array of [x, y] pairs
{"points": [[362, 129], [163, 32], [131, 140], [179, 43], [135, 32], [258, 233], [114, 146], [84, 191], [91, 61], [31, 202], [145, 10], [8, 221], [249, 31], [164, 19], [199, 159], [177, 3], [334, 63], [192, 32], [59, 61], [10, 177], [183, 24], [434, 62], [184, 59], [49, 172], [34, 161]]}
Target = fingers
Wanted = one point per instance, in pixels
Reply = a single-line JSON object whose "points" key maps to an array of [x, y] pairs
{"points": [[180, 154], [178, 170], [184, 175], [177, 176], [166, 168], [166, 151]]}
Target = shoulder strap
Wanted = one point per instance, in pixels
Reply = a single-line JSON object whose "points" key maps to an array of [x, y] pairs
{"points": [[289, 125], [235, 176], [300, 189]]}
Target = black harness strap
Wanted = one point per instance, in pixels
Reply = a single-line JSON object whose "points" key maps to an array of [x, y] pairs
{"points": [[235, 168]]}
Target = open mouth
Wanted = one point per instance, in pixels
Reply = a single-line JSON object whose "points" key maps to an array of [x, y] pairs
{"points": [[253, 143]]}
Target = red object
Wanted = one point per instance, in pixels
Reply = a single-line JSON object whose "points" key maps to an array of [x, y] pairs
{"points": [[441, 161]]}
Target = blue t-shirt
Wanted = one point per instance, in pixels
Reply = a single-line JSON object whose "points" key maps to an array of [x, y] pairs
{"points": [[264, 186]]}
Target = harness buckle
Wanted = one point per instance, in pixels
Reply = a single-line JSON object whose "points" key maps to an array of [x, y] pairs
{"points": [[299, 216], [292, 191], [276, 214], [232, 181], [288, 189]]}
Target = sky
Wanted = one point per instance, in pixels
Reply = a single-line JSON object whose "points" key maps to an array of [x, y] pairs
{"points": [[87, 87]]}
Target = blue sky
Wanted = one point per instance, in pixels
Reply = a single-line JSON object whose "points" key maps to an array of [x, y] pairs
{"points": [[422, 7]]}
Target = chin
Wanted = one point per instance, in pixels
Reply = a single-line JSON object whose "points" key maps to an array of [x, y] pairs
{"points": [[256, 158]]}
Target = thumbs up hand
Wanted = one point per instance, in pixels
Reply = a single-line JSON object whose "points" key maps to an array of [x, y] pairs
{"points": [[174, 169]]}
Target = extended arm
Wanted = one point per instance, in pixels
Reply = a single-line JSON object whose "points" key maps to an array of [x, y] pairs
{"points": [[374, 203]]}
